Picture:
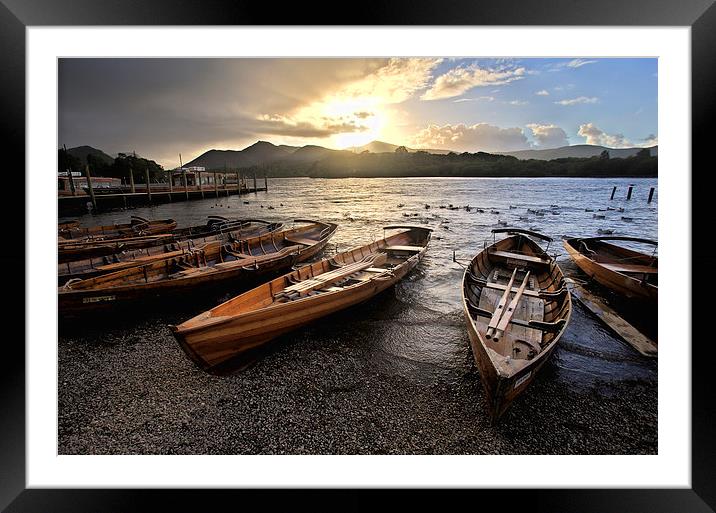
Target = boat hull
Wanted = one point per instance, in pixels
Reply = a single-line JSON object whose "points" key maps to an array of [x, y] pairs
{"points": [[79, 302], [505, 377], [212, 345], [501, 390], [620, 283]]}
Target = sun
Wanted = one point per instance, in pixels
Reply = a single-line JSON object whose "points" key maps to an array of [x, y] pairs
{"points": [[367, 114]]}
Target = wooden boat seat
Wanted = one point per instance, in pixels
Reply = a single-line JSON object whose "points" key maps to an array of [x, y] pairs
{"points": [[301, 240], [509, 255], [411, 249], [542, 293], [224, 265], [630, 268]]}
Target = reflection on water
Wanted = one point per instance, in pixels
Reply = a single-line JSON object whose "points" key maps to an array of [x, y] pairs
{"points": [[425, 329]]}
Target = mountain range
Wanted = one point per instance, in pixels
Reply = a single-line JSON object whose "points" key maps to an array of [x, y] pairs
{"points": [[81, 153], [264, 153], [580, 151]]}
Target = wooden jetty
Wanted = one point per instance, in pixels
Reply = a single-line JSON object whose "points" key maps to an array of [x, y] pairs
{"points": [[138, 195]]}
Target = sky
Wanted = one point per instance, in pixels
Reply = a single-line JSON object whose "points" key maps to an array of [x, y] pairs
{"points": [[160, 108]]}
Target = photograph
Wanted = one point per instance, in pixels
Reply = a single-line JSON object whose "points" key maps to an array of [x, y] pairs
{"points": [[398, 255]]}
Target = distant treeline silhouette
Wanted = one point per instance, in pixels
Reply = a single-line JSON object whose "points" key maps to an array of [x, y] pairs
{"points": [[342, 164], [401, 164]]}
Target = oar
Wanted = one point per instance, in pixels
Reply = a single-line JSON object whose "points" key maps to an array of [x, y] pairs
{"points": [[500, 306], [505, 320]]}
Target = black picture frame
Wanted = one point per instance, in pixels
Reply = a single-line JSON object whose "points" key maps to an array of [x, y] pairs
{"points": [[16, 15]]}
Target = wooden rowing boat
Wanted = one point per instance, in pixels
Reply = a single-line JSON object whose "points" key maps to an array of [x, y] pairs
{"points": [[517, 307], [625, 271], [209, 266], [137, 226], [68, 225], [180, 241], [300, 297], [93, 247]]}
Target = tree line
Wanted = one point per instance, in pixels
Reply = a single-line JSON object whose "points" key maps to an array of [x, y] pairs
{"points": [[119, 168]]}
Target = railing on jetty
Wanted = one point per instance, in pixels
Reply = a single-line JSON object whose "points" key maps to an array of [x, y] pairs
{"points": [[224, 184]]}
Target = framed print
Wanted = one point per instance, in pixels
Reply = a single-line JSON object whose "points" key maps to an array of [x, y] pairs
{"points": [[415, 252]]}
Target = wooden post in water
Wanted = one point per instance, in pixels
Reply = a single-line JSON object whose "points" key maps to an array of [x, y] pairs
{"points": [[255, 189], [651, 195], [201, 187], [216, 186], [613, 191], [265, 182], [238, 183], [149, 189], [631, 187], [89, 185], [72, 182], [131, 180], [171, 179], [69, 173]]}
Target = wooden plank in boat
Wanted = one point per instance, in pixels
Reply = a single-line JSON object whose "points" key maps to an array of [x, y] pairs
{"points": [[630, 268], [519, 256], [500, 286], [529, 308], [412, 249], [622, 328], [301, 240]]}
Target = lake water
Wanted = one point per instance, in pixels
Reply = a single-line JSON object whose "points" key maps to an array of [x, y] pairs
{"points": [[316, 388], [363, 206]]}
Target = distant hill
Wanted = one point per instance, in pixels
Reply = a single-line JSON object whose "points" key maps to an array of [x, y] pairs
{"points": [[311, 153], [581, 151], [384, 147], [261, 152], [81, 153]]}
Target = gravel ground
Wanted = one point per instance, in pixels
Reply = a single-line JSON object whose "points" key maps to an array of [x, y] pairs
{"points": [[381, 378]]}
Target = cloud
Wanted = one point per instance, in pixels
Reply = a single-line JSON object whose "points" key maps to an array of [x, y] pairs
{"points": [[394, 82], [578, 63], [460, 80], [472, 138], [518, 102], [543, 92], [578, 100], [595, 135], [485, 98], [548, 136], [283, 125], [574, 63], [650, 140]]}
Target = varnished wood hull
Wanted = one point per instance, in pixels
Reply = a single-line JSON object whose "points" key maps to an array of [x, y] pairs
{"points": [[150, 251], [623, 284], [95, 296], [73, 250], [81, 302], [214, 343], [501, 390], [504, 383], [72, 232]]}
